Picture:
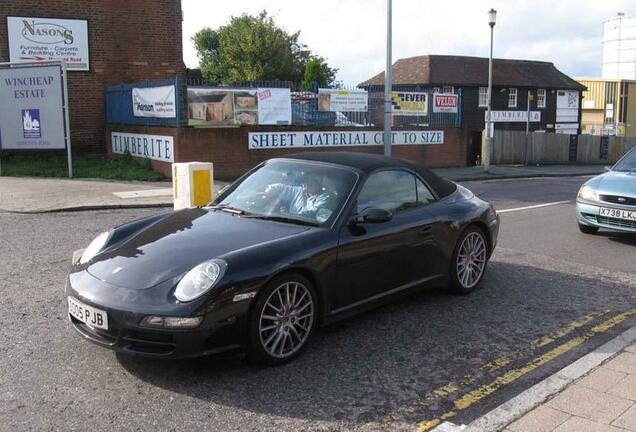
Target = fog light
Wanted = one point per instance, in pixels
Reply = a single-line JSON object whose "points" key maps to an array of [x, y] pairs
{"points": [[170, 322]]}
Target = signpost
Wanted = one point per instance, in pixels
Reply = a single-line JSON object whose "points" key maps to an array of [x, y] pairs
{"points": [[34, 112]]}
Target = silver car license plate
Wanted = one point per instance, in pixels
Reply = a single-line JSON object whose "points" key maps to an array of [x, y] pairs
{"points": [[617, 213]]}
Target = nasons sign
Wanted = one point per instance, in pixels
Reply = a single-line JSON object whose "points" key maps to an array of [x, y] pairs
{"points": [[43, 39]]}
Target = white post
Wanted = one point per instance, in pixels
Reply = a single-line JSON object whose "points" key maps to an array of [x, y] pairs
{"points": [[388, 83], [67, 125], [487, 144]]}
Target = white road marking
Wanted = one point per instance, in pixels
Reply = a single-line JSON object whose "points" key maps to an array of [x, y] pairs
{"points": [[532, 206], [144, 193]]}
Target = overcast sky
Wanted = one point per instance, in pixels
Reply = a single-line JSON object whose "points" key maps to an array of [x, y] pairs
{"points": [[351, 33]]}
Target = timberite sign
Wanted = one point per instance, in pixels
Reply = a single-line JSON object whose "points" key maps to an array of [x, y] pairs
{"points": [[156, 147], [512, 116], [31, 111], [269, 140], [43, 39]]}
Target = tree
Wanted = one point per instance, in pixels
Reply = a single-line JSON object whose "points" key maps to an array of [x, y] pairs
{"points": [[253, 48], [318, 73]]}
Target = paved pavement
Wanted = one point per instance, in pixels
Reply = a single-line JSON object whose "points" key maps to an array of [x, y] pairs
{"points": [[32, 194], [604, 400], [550, 296]]}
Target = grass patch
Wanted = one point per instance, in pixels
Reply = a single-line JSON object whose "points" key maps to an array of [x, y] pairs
{"points": [[125, 168]]}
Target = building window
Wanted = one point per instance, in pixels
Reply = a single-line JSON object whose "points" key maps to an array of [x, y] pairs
{"points": [[512, 98], [448, 89], [483, 96], [541, 98]]}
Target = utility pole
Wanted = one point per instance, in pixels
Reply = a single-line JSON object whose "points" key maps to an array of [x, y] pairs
{"points": [[487, 141], [529, 98], [388, 83]]}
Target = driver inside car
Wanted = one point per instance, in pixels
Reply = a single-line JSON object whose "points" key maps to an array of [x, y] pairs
{"points": [[304, 200]]}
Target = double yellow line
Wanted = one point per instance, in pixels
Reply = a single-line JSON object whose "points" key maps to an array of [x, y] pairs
{"points": [[481, 392]]}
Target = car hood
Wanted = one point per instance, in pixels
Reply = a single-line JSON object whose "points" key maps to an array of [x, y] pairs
{"points": [[180, 241], [616, 183]]}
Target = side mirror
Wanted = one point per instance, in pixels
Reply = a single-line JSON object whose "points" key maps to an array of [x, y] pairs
{"points": [[372, 215]]}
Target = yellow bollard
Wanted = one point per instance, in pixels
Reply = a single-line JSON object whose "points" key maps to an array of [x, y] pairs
{"points": [[192, 184]]}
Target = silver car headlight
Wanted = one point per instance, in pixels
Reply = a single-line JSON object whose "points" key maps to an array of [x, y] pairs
{"points": [[94, 247], [200, 280], [588, 193]]}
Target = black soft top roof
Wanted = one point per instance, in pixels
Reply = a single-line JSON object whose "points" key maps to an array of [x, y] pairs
{"points": [[368, 162]]}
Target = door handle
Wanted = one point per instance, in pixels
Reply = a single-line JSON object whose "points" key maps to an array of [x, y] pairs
{"points": [[426, 230]]}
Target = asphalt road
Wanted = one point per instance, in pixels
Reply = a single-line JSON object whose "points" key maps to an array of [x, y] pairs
{"points": [[551, 294]]}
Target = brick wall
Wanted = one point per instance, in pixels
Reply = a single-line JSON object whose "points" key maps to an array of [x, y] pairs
{"points": [[227, 147], [128, 41]]}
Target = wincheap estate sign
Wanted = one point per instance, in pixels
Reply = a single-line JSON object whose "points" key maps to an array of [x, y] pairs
{"points": [[268, 140], [41, 39], [31, 112]]}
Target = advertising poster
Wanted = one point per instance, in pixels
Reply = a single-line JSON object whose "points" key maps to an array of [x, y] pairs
{"points": [[445, 102], [343, 100], [42, 39], [154, 102], [31, 112], [409, 103], [274, 106]]}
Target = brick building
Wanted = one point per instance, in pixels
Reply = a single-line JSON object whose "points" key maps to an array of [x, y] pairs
{"points": [[128, 41]]}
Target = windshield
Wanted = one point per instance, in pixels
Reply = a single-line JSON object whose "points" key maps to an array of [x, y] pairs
{"points": [[291, 191], [628, 163]]}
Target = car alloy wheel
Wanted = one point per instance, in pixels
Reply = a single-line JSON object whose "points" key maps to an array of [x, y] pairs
{"points": [[469, 260], [286, 319]]}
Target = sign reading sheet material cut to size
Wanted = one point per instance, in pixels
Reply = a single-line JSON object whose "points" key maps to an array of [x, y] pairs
{"points": [[287, 139], [274, 106], [31, 111], [343, 100], [43, 39], [154, 102]]}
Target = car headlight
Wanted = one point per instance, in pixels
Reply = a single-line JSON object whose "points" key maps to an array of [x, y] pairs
{"points": [[94, 247], [199, 280], [588, 193]]}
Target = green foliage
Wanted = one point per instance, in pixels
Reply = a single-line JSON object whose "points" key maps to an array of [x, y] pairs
{"points": [[124, 168], [253, 48], [318, 73]]}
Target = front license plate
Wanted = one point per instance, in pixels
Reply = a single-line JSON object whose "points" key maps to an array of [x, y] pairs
{"points": [[617, 213], [89, 315]]}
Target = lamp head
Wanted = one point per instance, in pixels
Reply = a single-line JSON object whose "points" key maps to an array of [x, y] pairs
{"points": [[492, 17]]}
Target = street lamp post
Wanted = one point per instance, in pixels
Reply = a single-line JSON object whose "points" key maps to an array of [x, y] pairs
{"points": [[486, 148], [388, 86]]}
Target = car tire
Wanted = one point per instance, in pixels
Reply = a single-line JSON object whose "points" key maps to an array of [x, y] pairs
{"points": [[586, 229], [469, 260], [282, 320]]}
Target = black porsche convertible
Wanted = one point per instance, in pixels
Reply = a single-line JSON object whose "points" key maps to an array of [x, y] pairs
{"points": [[297, 242]]}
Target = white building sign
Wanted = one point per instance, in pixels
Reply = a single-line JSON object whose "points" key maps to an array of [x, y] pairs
{"points": [[154, 102], [274, 106], [567, 106], [512, 116], [156, 147], [31, 108], [343, 100], [41, 39], [269, 140]]}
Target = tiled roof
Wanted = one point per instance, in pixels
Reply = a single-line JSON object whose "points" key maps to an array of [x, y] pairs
{"points": [[442, 70]]}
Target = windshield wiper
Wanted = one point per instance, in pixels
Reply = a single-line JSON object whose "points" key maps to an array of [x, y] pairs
{"points": [[229, 209], [283, 219]]}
